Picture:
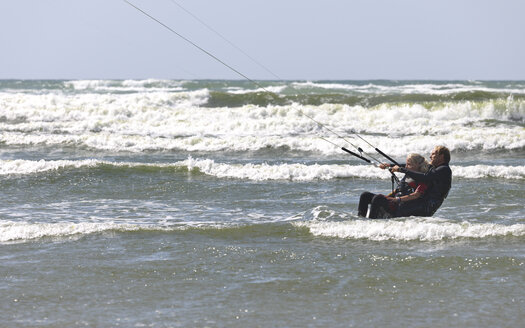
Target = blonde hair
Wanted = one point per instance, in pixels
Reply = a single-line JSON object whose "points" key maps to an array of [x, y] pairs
{"points": [[419, 161]]}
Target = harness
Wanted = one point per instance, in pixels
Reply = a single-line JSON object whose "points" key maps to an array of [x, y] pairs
{"points": [[403, 188], [400, 187]]}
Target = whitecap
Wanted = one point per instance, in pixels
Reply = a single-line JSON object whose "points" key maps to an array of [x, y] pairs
{"points": [[410, 229]]}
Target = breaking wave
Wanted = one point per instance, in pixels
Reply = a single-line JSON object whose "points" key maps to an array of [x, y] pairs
{"points": [[256, 172], [402, 229], [411, 229], [328, 223]]}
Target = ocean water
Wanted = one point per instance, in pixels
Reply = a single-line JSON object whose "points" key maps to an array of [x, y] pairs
{"points": [[163, 203]]}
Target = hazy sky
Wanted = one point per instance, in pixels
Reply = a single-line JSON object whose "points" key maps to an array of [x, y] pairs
{"points": [[295, 39]]}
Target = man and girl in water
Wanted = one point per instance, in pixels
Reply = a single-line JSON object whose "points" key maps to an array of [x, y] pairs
{"points": [[427, 187]]}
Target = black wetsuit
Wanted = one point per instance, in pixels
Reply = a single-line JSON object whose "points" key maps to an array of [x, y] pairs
{"points": [[439, 181], [378, 205]]}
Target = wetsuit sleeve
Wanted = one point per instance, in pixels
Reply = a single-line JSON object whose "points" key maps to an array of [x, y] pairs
{"points": [[441, 172], [400, 165]]}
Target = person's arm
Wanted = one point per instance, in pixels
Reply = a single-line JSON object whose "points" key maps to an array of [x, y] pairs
{"points": [[415, 195], [420, 191], [388, 166], [439, 173]]}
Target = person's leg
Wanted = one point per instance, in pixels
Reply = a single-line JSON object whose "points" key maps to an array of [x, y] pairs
{"points": [[379, 205], [416, 207], [364, 201]]}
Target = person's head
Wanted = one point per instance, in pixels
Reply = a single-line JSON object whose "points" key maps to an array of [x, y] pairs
{"points": [[440, 155], [416, 162]]}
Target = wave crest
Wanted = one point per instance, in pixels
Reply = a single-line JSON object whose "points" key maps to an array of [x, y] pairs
{"points": [[258, 172], [12, 231], [411, 229]]}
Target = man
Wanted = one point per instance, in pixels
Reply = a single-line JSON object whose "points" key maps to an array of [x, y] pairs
{"points": [[438, 179]]}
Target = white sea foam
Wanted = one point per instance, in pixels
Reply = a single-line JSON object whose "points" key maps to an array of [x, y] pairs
{"points": [[175, 120], [24, 231], [417, 88], [406, 229], [23, 167], [303, 172], [395, 146], [410, 229], [275, 89], [295, 172], [369, 88], [148, 85], [8, 167], [88, 84], [12, 231], [261, 172], [492, 171]]}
